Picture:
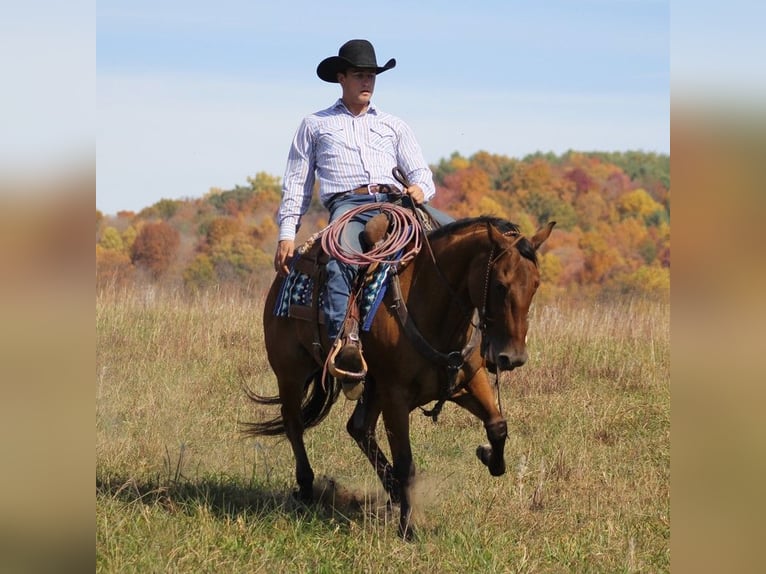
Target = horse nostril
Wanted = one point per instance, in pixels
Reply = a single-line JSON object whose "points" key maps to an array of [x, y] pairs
{"points": [[507, 363]]}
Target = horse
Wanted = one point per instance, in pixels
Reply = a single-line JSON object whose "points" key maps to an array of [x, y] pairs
{"points": [[478, 278]]}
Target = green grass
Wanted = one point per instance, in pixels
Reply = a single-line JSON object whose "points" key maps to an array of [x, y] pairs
{"points": [[178, 489]]}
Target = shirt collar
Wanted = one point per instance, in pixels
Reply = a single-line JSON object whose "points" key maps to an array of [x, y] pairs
{"points": [[339, 105]]}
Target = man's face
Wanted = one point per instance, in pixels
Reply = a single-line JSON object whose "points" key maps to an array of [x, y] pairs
{"points": [[358, 85]]}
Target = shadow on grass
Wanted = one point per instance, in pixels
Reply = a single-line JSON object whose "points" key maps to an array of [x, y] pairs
{"points": [[228, 498]]}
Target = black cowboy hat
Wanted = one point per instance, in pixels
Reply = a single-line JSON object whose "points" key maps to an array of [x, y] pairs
{"points": [[352, 54]]}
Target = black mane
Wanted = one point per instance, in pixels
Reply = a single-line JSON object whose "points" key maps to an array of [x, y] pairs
{"points": [[502, 225]]}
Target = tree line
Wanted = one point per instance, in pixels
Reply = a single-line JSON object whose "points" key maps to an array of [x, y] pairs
{"points": [[612, 236]]}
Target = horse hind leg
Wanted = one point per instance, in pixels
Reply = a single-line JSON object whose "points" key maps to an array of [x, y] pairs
{"points": [[304, 474], [397, 422], [361, 426]]}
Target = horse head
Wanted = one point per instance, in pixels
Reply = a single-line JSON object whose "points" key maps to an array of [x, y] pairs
{"points": [[503, 283]]}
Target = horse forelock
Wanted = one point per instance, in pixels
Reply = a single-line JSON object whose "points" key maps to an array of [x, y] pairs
{"points": [[527, 250], [502, 226]]}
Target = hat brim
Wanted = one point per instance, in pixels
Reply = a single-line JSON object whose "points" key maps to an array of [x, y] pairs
{"points": [[328, 68]]}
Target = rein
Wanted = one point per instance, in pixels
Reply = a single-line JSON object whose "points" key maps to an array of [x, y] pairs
{"points": [[453, 361], [491, 260], [407, 227], [402, 178]]}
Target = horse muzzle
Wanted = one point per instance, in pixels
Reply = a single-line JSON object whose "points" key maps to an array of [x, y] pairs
{"points": [[505, 361]]}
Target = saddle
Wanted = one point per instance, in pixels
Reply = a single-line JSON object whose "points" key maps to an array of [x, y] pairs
{"points": [[302, 290], [301, 293]]}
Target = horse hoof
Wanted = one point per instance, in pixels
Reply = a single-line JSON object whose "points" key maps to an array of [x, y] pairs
{"points": [[353, 389], [407, 533], [484, 453], [302, 496], [496, 467]]}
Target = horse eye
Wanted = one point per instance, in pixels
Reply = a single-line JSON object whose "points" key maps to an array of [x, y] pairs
{"points": [[501, 290]]}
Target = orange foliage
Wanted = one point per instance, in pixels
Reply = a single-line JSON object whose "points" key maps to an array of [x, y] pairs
{"points": [[113, 268], [220, 227], [612, 233], [155, 247], [465, 188]]}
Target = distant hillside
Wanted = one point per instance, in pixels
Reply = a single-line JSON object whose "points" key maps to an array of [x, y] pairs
{"points": [[612, 236]]}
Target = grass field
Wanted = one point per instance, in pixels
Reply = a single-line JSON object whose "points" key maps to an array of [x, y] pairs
{"points": [[178, 489]]}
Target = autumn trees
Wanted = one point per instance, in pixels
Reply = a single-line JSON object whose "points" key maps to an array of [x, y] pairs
{"points": [[155, 248], [612, 235], [612, 213]]}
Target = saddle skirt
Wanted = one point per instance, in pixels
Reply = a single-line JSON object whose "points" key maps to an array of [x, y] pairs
{"points": [[302, 292]]}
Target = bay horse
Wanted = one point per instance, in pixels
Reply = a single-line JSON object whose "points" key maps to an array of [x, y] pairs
{"points": [[479, 276]]}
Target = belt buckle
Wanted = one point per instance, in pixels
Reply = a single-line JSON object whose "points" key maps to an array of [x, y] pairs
{"points": [[372, 188]]}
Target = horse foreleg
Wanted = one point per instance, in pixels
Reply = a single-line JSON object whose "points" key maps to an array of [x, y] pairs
{"points": [[304, 475], [397, 421], [492, 454], [479, 400], [361, 426]]}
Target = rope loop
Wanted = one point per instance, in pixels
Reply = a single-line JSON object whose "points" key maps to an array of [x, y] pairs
{"points": [[404, 230]]}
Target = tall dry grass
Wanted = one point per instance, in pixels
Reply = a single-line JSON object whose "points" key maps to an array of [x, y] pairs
{"points": [[178, 489]]}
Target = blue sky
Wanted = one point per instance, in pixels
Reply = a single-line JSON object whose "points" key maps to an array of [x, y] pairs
{"points": [[193, 95]]}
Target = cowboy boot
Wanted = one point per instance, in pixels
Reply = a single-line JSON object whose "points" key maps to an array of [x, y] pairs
{"points": [[346, 362]]}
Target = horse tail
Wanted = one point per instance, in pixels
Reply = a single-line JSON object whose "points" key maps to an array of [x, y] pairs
{"points": [[318, 399]]}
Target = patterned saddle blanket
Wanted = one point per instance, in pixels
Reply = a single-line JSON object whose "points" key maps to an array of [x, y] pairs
{"points": [[302, 294]]}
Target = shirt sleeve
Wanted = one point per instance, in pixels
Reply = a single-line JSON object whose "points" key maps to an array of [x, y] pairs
{"points": [[410, 159], [298, 183]]}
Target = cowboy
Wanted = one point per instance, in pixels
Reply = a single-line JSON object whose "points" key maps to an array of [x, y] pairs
{"points": [[351, 148]]}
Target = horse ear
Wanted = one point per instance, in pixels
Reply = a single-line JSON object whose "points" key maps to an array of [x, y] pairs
{"points": [[542, 234]]}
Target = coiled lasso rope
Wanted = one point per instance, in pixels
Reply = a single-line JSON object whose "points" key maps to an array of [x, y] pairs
{"points": [[404, 229]]}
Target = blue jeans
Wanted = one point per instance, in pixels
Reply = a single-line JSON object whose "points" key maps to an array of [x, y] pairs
{"points": [[341, 276]]}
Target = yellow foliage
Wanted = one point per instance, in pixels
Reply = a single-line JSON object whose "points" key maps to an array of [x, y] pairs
{"points": [[128, 237], [458, 162], [591, 208], [526, 226], [536, 176], [638, 203], [111, 239], [200, 273], [550, 268], [488, 206], [652, 281]]}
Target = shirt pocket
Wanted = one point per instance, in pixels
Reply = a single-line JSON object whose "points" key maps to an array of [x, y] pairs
{"points": [[382, 139], [331, 144], [331, 136]]}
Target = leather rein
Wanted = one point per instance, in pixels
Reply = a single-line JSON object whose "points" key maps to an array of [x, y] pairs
{"points": [[453, 361]]}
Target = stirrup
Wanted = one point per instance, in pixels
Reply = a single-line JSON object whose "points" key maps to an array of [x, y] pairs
{"points": [[339, 373], [352, 382]]}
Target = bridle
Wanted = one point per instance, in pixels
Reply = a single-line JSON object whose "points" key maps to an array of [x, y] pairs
{"points": [[455, 360], [484, 317]]}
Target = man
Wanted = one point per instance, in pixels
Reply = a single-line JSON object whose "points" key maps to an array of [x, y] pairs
{"points": [[351, 147]]}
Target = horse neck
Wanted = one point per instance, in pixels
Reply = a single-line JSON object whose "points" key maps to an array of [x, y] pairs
{"points": [[443, 282]]}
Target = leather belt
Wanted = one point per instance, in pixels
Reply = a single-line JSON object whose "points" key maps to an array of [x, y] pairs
{"points": [[375, 188], [366, 190]]}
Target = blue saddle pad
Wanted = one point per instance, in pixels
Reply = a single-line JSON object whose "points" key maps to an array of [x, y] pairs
{"points": [[298, 288]]}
